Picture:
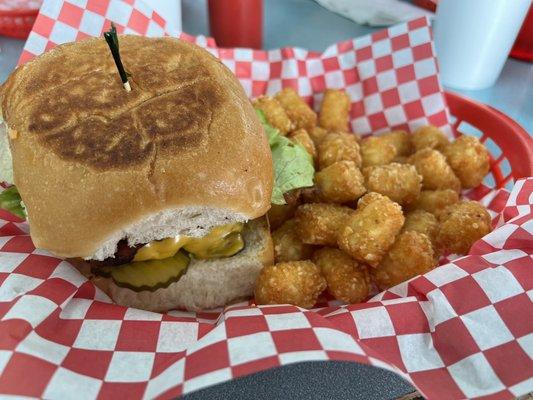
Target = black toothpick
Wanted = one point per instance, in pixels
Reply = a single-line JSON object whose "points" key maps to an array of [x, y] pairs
{"points": [[111, 38]]}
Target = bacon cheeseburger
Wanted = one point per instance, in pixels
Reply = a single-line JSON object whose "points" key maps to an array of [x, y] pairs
{"points": [[158, 195]]}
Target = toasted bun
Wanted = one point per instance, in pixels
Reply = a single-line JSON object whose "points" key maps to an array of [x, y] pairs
{"points": [[207, 284], [180, 153]]}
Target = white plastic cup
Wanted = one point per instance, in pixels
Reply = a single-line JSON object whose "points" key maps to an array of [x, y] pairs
{"points": [[473, 39]]}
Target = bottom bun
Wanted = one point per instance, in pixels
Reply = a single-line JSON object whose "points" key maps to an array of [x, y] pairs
{"points": [[207, 284]]}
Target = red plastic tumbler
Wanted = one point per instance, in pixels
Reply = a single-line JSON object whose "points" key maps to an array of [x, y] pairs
{"points": [[237, 23], [523, 47]]}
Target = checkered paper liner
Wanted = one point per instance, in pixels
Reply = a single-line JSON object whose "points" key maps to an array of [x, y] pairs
{"points": [[391, 76], [458, 331]]}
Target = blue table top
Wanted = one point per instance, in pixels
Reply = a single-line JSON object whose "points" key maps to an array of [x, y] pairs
{"points": [[305, 24]]}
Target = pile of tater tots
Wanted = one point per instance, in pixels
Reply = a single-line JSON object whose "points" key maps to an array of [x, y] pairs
{"points": [[382, 210]]}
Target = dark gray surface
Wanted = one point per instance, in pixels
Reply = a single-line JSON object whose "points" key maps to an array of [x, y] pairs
{"points": [[311, 380]]}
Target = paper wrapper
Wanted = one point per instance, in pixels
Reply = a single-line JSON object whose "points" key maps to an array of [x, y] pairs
{"points": [[461, 330]]}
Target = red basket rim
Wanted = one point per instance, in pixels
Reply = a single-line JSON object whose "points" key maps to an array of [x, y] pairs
{"points": [[19, 13], [521, 136]]}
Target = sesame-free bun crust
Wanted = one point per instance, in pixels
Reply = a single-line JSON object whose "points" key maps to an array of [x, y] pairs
{"points": [[94, 163]]}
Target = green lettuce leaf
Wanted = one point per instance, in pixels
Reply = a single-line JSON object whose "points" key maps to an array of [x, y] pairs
{"points": [[293, 166], [10, 200]]}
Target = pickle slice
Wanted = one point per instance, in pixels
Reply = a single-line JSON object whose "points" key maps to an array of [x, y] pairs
{"points": [[148, 275]]}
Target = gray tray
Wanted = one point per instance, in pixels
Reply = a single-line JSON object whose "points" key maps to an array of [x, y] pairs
{"points": [[321, 380]]}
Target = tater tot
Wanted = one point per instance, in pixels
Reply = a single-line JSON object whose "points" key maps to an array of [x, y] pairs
{"points": [[318, 223], [409, 256], [346, 279], [462, 224], [435, 200], [300, 114], [317, 134], [302, 137], [469, 160], [294, 282], [401, 160], [311, 195], [338, 147], [399, 182], [369, 198], [377, 151], [334, 111], [293, 196], [423, 222], [369, 232], [429, 137], [279, 213], [287, 244], [435, 171], [401, 141], [341, 182], [274, 113]]}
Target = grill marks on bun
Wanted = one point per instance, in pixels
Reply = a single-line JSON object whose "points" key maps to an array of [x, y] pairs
{"points": [[169, 121], [91, 122]]}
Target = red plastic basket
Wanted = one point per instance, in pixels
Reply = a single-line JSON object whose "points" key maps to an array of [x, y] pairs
{"points": [[514, 144], [17, 23]]}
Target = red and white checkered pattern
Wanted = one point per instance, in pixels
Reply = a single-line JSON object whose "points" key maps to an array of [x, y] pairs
{"points": [[461, 330], [391, 75], [458, 331]]}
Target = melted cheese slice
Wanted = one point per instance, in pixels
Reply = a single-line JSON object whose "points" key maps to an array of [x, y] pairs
{"points": [[221, 241]]}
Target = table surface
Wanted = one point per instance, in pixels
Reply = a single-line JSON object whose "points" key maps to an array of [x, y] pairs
{"points": [[316, 28]]}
